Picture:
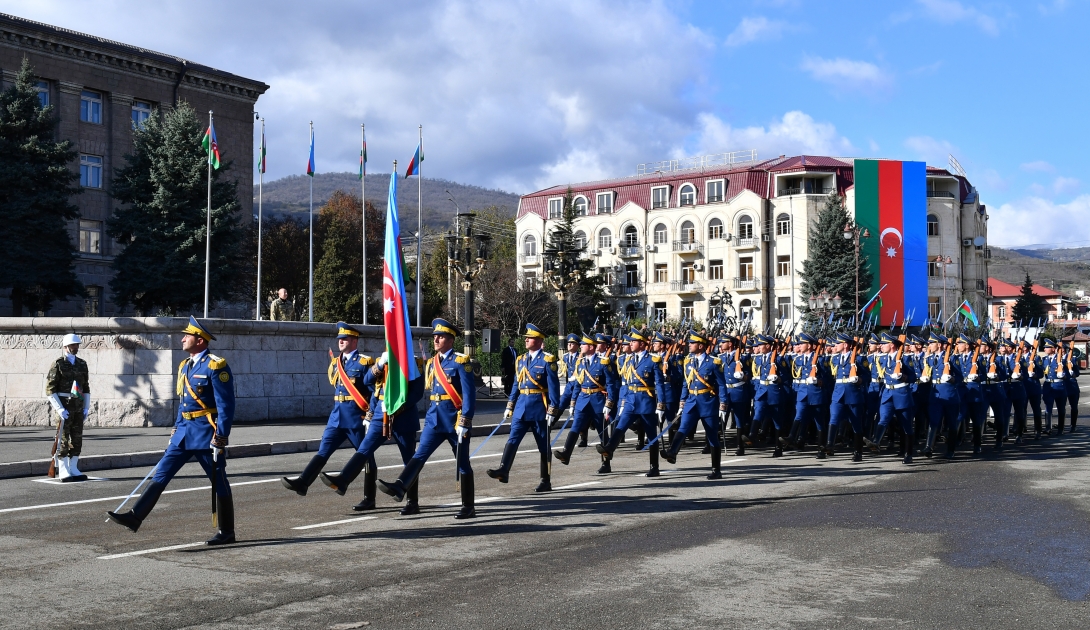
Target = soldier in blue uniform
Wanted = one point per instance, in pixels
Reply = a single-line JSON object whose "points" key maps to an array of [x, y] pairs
{"points": [[1055, 386], [944, 399], [736, 382], [848, 400], [702, 400], [346, 418], [1072, 383], [897, 403], [1034, 372], [532, 406], [970, 392], [874, 386], [767, 371], [642, 384], [673, 383], [595, 393], [994, 390], [566, 370], [921, 390], [808, 379], [448, 377], [206, 389], [1017, 371]]}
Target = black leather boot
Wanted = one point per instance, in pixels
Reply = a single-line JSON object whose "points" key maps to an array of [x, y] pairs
{"points": [[640, 439], [717, 458], [398, 488], [910, 448], [857, 455], [929, 447], [822, 441], [773, 439], [654, 470], [583, 437], [134, 517], [670, 452], [508, 458], [339, 481], [370, 489], [605, 468], [876, 445], [412, 499], [564, 454], [951, 443], [466, 486], [310, 473], [545, 468], [607, 448], [225, 521]]}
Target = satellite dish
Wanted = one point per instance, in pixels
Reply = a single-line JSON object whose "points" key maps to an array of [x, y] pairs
{"points": [[979, 241]]}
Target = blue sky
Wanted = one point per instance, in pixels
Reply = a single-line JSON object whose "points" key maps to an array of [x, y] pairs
{"points": [[523, 95]]}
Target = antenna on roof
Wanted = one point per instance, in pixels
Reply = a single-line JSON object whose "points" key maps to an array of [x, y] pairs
{"points": [[955, 166]]}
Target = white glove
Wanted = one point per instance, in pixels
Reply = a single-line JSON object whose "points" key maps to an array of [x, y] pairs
{"points": [[992, 376], [461, 431], [723, 417], [366, 423], [772, 378], [86, 404], [853, 379], [55, 403], [972, 378], [810, 380], [507, 413], [738, 375], [895, 376], [945, 378], [925, 379], [381, 360], [1059, 373], [660, 415], [64, 414]]}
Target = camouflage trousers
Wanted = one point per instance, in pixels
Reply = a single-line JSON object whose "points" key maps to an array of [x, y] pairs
{"points": [[72, 433]]}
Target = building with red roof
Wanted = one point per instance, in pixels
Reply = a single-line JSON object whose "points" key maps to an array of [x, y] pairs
{"points": [[1003, 295]]}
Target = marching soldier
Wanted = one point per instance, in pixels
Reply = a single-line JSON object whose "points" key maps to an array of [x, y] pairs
{"points": [[874, 386], [1055, 387], [736, 383], [1072, 383], [970, 391], [944, 401], [207, 391], [1015, 366], [1034, 372], [566, 370], [807, 381], [595, 393], [848, 400], [350, 405], [532, 406], [898, 374], [642, 383], [448, 378], [702, 400], [994, 388], [69, 393], [768, 395]]}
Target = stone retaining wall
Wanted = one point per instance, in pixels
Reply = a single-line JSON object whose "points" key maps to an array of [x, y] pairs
{"points": [[279, 367]]}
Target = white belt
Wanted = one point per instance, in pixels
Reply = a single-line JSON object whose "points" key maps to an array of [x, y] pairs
{"points": [[898, 386]]}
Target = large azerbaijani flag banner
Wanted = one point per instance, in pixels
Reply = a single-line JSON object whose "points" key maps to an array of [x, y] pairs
{"points": [[401, 362], [891, 202]]}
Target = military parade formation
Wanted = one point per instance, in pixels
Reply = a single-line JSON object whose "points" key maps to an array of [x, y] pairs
{"points": [[775, 391]]}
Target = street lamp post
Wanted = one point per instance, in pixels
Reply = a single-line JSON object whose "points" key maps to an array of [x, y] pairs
{"points": [[561, 273], [942, 264], [467, 254], [824, 304], [855, 233]]}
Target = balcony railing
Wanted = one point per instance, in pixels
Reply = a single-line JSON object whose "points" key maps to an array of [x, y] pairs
{"points": [[657, 205], [747, 242], [940, 193], [630, 250], [747, 283], [684, 286], [688, 247], [715, 198], [528, 259], [625, 289], [798, 191]]}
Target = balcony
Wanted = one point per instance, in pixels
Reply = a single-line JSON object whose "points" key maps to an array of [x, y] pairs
{"points": [[941, 193], [745, 243], [659, 205], [620, 290], [715, 198], [630, 250], [529, 259], [685, 286], [688, 248], [747, 283], [784, 192]]}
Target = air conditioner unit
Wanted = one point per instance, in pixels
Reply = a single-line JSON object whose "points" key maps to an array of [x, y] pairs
{"points": [[597, 252], [638, 303], [652, 248], [756, 304], [766, 237], [618, 268], [698, 266], [966, 242], [613, 250]]}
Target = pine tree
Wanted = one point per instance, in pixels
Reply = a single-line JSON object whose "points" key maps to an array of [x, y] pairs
{"points": [[36, 183], [588, 288], [831, 262], [1029, 306], [162, 223]]}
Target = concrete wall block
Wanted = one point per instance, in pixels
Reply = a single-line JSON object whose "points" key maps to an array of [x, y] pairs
{"points": [[263, 362], [145, 458], [118, 413], [26, 386], [16, 469], [289, 361], [248, 343], [152, 361], [239, 362], [251, 409], [161, 385], [285, 407], [278, 385], [38, 361], [160, 413], [131, 386], [12, 360], [307, 384], [114, 361], [316, 406], [22, 412], [249, 386], [283, 448], [316, 362]]}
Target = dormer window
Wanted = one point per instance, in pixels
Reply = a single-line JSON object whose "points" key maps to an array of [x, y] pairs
{"points": [[660, 197], [714, 191], [688, 195], [605, 203], [580, 205]]}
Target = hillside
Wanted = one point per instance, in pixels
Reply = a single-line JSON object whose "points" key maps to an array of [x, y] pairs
{"points": [[1066, 270], [291, 195]]}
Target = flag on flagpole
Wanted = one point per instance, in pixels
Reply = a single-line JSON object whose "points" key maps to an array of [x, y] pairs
{"points": [[211, 147], [966, 310], [363, 156], [874, 302], [414, 164], [395, 313], [261, 151], [310, 162]]}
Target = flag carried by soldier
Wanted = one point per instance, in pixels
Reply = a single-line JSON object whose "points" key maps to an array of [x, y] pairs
{"points": [[399, 343]]}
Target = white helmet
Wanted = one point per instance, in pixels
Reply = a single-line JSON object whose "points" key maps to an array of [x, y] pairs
{"points": [[71, 338]]}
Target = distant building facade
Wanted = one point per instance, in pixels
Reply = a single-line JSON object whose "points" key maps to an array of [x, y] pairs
{"points": [[100, 89], [1003, 295], [669, 239]]}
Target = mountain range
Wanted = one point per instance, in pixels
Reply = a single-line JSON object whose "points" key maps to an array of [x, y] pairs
{"points": [[1065, 270]]}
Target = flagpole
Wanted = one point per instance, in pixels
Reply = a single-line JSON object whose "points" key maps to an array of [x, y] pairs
{"points": [[310, 266], [363, 213], [260, 183], [208, 229], [419, 223]]}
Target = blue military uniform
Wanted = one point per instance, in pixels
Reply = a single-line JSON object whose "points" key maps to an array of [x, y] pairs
{"points": [[448, 377], [1035, 372], [206, 409], [642, 393], [768, 394], [944, 400], [1018, 375], [808, 381], [532, 407], [596, 388], [897, 402], [994, 396], [874, 390], [849, 396], [739, 391], [702, 400], [1072, 383], [1054, 386]]}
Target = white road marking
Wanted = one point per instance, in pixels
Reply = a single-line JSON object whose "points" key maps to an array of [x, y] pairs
{"points": [[475, 502], [731, 461], [147, 551], [58, 482], [332, 523], [577, 485]]}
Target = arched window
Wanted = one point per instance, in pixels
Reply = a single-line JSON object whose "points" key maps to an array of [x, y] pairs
{"points": [[932, 225], [688, 195], [605, 238], [688, 232], [529, 245], [745, 228], [745, 308], [580, 238], [783, 225], [580, 205], [631, 311], [715, 229], [631, 236], [661, 235]]}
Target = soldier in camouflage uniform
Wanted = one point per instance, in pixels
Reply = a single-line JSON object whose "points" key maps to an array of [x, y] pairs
{"points": [[282, 309], [68, 392]]}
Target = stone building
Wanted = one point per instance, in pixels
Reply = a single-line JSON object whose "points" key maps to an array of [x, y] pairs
{"points": [[674, 234], [100, 89]]}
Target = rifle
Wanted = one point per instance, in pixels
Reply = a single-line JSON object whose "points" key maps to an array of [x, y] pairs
{"points": [[976, 354], [52, 473], [901, 338]]}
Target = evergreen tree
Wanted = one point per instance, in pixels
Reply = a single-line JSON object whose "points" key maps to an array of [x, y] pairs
{"points": [[588, 289], [1029, 306], [831, 262], [162, 223], [36, 183]]}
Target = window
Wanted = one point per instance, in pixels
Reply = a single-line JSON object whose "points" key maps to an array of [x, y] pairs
{"points": [[714, 191], [745, 308], [783, 225], [783, 307], [688, 273], [141, 111], [580, 238], [933, 307], [662, 273], [745, 228], [43, 93], [688, 232], [580, 206], [90, 107], [90, 171], [631, 276], [688, 195], [932, 269], [607, 274], [605, 203], [783, 266], [745, 268], [631, 311], [686, 310], [660, 311], [715, 270], [661, 235], [90, 237], [605, 239], [715, 229], [659, 197], [529, 245], [529, 281], [556, 208], [932, 225], [631, 236], [92, 304], [1001, 310]]}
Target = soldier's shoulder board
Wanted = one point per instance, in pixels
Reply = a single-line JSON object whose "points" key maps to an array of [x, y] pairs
{"points": [[181, 364], [460, 358], [366, 360], [604, 360], [550, 358], [656, 359], [717, 360], [216, 363]]}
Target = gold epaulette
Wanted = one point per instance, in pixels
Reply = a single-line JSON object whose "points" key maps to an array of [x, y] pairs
{"points": [[460, 357], [656, 359], [550, 358], [717, 360], [366, 360], [216, 363], [604, 360]]}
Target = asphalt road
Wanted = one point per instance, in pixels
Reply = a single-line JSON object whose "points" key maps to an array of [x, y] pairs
{"points": [[996, 542]]}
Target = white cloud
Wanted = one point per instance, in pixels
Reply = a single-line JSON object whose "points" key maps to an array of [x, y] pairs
{"points": [[991, 180], [1038, 166], [874, 148], [1035, 220], [934, 152], [848, 74], [795, 133], [1054, 7], [1064, 185], [755, 28], [951, 11]]}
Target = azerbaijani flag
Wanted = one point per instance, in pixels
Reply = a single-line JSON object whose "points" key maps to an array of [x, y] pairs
{"points": [[891, 202], [401, 361], [210, 146], [966, 311], [363, 156], [874, 303], [414, 164], [261, 151], [310, 162]]}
